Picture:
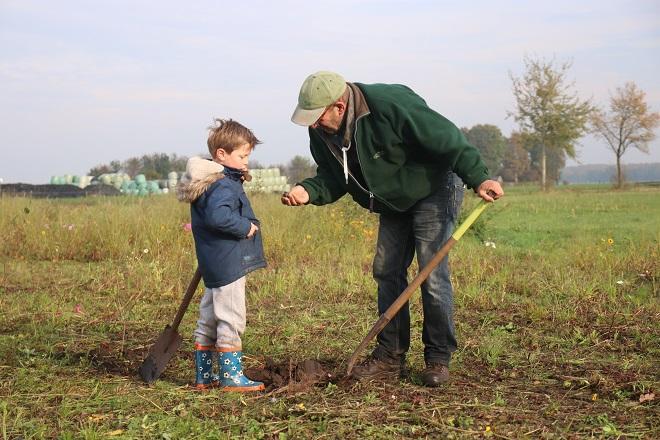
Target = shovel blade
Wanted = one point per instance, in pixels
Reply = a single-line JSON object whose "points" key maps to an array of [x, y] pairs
{"points": [[160, 354]]}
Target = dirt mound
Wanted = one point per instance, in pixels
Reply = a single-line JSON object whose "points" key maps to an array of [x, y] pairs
{"points": [[101, 190], [299, 376], [56, 191], [41, 191], [287, 375]]}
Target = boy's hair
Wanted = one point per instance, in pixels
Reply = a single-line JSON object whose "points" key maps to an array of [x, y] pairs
{"points": [[229, 135]]}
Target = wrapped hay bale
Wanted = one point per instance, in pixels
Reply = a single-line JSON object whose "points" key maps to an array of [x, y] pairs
{"points": [[85, 181]]}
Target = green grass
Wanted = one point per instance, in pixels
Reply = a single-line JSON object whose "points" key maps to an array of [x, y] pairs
{"points": [[557, 324]]}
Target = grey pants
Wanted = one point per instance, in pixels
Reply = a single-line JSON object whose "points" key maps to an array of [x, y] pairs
{"points": [[222, 316]]}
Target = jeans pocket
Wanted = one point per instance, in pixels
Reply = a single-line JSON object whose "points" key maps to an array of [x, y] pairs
{"points": [[456, 192]]}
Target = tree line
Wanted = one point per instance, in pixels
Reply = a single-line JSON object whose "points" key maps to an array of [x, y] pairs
{"points": [[158, 165], [599, 173], [153, 166], [551, 119]]}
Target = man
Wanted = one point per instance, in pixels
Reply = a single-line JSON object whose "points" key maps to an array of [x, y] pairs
{"points": [[395, 156]]}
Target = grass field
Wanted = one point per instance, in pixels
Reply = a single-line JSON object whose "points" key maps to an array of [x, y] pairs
{"points": [[557, 323]]}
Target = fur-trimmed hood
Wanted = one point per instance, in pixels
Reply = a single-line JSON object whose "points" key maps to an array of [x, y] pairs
{"points": [[200, 174]]}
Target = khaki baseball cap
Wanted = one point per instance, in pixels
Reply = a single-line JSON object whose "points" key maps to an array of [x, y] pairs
{"points": [[319, 90]]}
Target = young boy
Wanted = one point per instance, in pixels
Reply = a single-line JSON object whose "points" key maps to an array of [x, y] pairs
{"points": [[228, 246]]}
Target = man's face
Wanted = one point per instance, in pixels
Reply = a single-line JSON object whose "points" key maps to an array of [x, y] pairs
{"points": [[331, 119]]}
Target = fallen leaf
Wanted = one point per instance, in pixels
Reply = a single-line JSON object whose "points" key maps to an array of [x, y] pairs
{"points": [[97, 417], [116, 432], [648, 397]]}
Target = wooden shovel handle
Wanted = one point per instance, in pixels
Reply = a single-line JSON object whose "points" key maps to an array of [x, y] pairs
{"points": [[393, 309], [192, 287]]}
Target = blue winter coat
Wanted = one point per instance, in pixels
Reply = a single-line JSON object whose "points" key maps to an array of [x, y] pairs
{"points": [[221, 218]]}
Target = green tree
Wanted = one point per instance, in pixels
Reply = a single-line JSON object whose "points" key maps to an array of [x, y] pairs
{"points": [[629, 123], [516, 159], [549, 112], [490, 142], [153, 166], [555, 160]]}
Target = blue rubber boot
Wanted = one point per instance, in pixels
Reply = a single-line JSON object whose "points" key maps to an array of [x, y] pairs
{"points": [[204, 377], [231, 373]]}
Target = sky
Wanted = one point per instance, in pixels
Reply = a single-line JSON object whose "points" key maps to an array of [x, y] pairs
{"points": [[84, 83]]}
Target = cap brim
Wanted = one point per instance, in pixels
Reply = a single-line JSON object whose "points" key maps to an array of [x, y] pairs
{"points": [[306, 117]]}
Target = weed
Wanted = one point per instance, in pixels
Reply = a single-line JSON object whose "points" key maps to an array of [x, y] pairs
{"points": [[493, 346], [542, 321]]}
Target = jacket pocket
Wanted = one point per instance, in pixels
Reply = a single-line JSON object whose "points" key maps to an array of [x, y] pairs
{"points": [[252, 253]]}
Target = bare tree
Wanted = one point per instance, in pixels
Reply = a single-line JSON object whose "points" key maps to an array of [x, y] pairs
{"points": [[629, 123], [548, 112], [300, 168]]}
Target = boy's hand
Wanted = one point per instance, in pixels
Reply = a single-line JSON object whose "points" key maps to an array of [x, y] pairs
{"points": [[296, 197], [253, 230]]}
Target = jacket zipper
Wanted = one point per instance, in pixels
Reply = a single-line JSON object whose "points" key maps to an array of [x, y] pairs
{"points": [[357, 153], [372, 197]]}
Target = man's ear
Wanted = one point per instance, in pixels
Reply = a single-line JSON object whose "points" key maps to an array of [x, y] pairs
{"points": [[341, 107], [220, 154]]}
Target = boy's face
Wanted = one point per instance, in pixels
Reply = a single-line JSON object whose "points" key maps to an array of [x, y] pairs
{"points": [[236, 159]]}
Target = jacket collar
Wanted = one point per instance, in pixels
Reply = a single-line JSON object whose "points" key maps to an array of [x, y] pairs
{"points": [[200, 174], [361, 107], [234, 173]]}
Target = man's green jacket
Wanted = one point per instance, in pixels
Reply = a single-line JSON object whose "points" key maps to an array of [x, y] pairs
{"points": [[404, 148]]}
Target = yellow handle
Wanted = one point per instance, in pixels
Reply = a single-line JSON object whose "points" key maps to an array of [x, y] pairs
{"points": [[458, 233]]}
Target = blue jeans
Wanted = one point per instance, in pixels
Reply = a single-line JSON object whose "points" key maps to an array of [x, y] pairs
{"points": [[423, 229]]}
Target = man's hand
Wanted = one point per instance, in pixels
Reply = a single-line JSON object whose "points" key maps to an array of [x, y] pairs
{"points": [[253, 230], [298, 196], [490, 190]]}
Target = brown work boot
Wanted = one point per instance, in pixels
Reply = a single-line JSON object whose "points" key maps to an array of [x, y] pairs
{"points": [[379, 369], [435, 374]]}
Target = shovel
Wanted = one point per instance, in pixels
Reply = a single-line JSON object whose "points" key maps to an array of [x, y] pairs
{"points": [[169, 340], [419, 279]]}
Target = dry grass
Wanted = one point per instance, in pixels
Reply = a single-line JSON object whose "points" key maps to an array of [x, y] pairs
{"points": [[557, 325]]}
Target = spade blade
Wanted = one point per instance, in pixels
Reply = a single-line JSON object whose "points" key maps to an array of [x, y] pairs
{"points": [[160, 354]]}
